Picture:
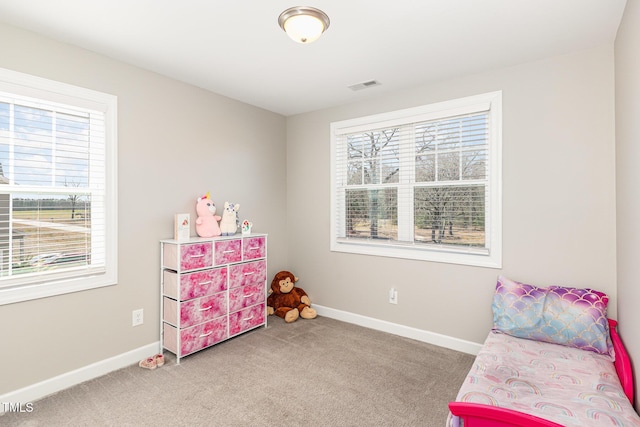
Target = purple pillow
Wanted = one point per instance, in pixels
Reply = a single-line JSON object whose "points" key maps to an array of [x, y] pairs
{"points": [[567, 316]]}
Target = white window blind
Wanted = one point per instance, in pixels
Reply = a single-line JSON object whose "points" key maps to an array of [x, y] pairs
{"points": [[420, 183], [57, 188]]}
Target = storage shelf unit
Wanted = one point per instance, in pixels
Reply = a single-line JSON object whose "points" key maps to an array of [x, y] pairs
{"points": [[212, 289]]}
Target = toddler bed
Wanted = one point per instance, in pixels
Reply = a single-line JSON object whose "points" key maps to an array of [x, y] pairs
{"points": [[551, 359]]}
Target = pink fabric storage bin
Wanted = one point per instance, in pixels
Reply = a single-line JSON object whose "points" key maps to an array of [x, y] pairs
{"points": [[196, 337], [254, 247], [247, 274], [195, 311], [246, 319], [194, 285], [245, 296], [227, 251], [191, 256]]}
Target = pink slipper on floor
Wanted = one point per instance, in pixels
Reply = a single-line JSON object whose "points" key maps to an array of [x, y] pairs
{"points": [[159, 359], [148, 363]]}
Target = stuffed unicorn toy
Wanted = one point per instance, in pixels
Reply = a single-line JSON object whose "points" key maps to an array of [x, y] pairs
{"points": [[229, 223], [207, 221]]}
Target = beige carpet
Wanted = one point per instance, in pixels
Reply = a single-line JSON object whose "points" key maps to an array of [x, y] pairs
{"points": [[319, 372]]}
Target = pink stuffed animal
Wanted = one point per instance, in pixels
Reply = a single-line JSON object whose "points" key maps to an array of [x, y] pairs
{"points": [[207, 221]]}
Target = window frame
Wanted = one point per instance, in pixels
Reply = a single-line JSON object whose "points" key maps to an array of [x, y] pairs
{"points": [[58, 283], [491, 255]]}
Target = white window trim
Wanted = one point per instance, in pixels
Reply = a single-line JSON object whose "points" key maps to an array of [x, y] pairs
{"points": [[464, 256], [37, 87]]}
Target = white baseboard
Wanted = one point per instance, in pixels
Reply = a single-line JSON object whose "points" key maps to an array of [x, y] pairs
{"points": [[53, 385], [401, 330]]}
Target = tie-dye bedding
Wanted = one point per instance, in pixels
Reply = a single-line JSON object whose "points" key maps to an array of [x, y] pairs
{"points": [[566, 385]]}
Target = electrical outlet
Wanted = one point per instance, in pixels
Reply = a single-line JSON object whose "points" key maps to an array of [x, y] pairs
{"points": [[137, 317], [393, 296]]}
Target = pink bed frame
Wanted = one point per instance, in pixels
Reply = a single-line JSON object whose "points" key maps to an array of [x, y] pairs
{"points": [[479, 415]]}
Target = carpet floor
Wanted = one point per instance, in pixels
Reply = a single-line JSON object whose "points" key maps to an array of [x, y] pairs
{"points": [[319, 372]]}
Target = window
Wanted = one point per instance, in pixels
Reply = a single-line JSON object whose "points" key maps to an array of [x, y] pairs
{"points": [[57, 188], [422, 183]]}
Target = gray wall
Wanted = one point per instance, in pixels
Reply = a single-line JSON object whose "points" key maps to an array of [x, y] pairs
{"points": [[558, 198], [627, 64], [176, 142]]}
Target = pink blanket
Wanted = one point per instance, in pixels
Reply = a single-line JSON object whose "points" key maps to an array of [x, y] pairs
{"points": [[569, 386]]}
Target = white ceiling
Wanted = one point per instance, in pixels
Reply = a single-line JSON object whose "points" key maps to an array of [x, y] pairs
{"points": [[236, 48]]}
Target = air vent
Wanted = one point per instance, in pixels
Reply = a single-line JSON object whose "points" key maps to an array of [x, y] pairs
{"points": [[364, 85]]}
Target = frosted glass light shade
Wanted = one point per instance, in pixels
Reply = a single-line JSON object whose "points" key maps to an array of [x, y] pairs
{"points": [[303, 24]]}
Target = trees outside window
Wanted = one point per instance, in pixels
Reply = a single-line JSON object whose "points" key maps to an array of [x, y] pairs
{"points": [[57, 188], [420, 182]]}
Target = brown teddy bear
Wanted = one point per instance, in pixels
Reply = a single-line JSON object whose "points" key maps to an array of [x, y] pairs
{"points": [[288, 301]]}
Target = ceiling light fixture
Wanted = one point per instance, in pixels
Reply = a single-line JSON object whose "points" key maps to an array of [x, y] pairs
{"points": [[303, 24]]}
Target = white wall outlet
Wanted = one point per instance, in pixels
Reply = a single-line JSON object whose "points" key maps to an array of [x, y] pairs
{"points": [[137, 317], [393, 296]]}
